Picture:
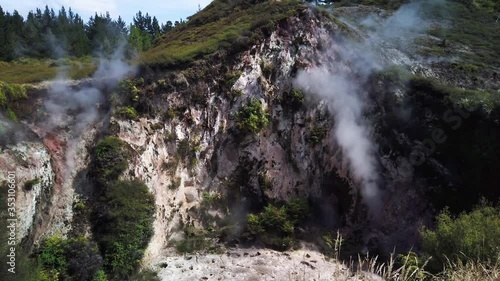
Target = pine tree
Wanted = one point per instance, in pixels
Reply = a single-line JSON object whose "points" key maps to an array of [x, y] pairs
{"points": [[3, 35], [167, 27], [156, 28]]}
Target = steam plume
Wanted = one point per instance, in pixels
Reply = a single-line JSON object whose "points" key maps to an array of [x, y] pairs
{"points": [[351, 131], [76, 108], [346, 68]]}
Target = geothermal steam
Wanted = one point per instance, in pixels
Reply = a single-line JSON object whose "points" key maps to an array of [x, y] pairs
{"points": [[77, 108], [339, 80], [351, 131]]}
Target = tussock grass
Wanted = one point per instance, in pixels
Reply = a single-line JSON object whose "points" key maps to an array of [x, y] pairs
{"points": [[409, 267], [471, 271]]}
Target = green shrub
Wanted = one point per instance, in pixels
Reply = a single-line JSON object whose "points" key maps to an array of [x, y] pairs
{"points": [[465, 67], [471, 99], [170, 136], [100, 276], [69, 259], [196, 240], [15, 92], [395, 74], [3, 99], [176, 182], [275, 226], [10, 96], [11, 115], [318, 133], [163, 84], [128, 90], [11, 93], [252, 117], [183, 148], [198, 97], [192, 244], [236, 93], [187, 150], [79, 206], [297, 209], [412, 264], [146, 275], [272, 226], [124, 225], [296, 98], [110, 160], [212, 200], [474, 235], [169, 114], [52, 253], [230, 78], [126, 112]]}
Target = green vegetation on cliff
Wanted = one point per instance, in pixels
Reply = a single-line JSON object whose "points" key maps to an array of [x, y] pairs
{"points": [[124, 225], [124, 213], [10, 96], [469, 99], [252, 117], [223, 25], [275, 225], [110, 160], [69, 259]]}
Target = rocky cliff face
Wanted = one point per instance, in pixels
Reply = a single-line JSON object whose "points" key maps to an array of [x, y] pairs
{"points": [[283, 161], [48, 151], [188, 147]]}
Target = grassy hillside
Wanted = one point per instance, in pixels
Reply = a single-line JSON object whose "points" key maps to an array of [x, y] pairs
{"points": [[227, 25], [474, 34], [471, 31], [33, 70]]}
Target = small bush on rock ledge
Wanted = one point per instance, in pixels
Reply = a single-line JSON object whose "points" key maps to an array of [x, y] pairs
{"points": [[126, 112], [252, 118], [275, 226], [110, 160]]}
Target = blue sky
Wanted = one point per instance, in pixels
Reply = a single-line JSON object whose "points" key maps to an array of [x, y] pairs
{"points": [[163, 9]]}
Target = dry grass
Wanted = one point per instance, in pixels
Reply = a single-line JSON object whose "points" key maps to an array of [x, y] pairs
{"points": [[370, 268], [471, 271]]}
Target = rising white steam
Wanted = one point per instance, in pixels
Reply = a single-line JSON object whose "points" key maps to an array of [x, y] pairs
{"points": [[76, 107], [351, 131], [345, 69]]}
